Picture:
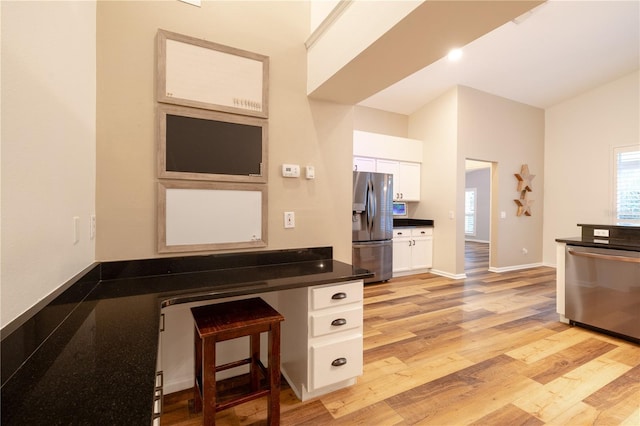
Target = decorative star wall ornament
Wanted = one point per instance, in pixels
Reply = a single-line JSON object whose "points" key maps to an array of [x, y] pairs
{"points": [[524, 186], [524, 205], [524, 179]]}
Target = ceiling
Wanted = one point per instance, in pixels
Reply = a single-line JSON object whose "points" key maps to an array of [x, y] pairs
{"points": [[555, 51]]}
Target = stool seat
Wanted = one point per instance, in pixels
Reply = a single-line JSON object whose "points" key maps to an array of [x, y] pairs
{"points": [[230, 320]]}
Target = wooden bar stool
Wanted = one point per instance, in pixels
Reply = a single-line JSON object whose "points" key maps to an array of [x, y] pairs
{"points": [[230, 320]]}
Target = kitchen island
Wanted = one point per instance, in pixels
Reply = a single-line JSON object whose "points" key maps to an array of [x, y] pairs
{"points": [[90, 355]]}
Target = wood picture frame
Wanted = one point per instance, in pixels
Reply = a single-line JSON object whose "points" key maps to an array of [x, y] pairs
{"points": [[207, 216], [203, 74], [196, 144]]}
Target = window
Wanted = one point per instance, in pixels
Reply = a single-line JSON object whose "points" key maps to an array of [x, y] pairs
{"points": [[627, 185], [470, 195]]}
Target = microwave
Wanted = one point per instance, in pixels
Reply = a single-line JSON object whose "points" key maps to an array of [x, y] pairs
{"points": [[399, 209]]}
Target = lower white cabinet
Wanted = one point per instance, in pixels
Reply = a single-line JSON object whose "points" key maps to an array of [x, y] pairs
{"points": [[322, 349], [412, 250]]}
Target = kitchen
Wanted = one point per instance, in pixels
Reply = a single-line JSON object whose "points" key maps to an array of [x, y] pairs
{"points": [[114, 171]]}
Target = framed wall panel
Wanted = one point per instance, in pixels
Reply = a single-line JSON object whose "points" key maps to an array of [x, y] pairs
{"points": [[204, 74], [197, 144], [199, 216]]}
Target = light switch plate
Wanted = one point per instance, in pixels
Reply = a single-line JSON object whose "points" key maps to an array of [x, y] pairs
{"points": [[289, 220]]}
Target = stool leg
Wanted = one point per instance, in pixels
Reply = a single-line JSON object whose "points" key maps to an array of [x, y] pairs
{"points": [[209, 382], [274, 376], [255, 357], [197, 398]]}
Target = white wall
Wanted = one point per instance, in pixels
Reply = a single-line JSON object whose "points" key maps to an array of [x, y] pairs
{"points": [[580, 136], [48, 147]]}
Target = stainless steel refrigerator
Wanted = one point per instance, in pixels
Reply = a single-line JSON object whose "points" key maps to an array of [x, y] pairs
{"points": [[372, 224]]}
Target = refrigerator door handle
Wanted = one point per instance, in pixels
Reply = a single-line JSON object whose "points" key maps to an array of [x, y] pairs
{"points": [[371, 208]]}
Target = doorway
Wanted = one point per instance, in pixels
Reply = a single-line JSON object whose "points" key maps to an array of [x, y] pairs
{"points": [[477, 220]]}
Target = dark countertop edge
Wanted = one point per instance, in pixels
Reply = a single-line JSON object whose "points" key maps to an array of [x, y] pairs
{"points": [[609, 226], [601, 243], [243, 289], [411, 223]]}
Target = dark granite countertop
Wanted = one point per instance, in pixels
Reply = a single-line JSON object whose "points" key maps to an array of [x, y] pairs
{"points": [[619, 237], [411, 223], [611, 243], [90, 356]]}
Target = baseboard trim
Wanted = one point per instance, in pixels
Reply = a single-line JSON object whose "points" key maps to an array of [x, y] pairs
{"points": [[515, 267], [449, 275]]}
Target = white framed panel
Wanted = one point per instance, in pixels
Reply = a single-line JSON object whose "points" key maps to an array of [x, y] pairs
{"points": [[198, 216], [204, 74]]}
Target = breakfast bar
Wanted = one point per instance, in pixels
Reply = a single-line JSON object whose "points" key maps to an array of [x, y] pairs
{"points": [[90, 355]]}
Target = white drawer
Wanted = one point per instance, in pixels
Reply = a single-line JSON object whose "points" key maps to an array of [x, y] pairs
{"points": [[401, 232], [421, 232], [336, 321], [336, 295], [336, 361]]}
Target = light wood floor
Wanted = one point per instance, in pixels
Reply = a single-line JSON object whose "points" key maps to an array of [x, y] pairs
{"points": [[487, 350]]}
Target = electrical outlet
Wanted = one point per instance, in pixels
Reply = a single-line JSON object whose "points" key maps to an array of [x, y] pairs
{"points": [[289, 220]]}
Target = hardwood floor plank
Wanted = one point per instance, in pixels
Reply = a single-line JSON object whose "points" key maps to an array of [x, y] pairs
{"points": [[508, 415], [559, 363], [562, 393], [540, 349]]}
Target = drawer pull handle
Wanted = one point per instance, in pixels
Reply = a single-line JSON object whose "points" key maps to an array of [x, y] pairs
{"points": [[339, 321], [338, 362], [339, 296]]}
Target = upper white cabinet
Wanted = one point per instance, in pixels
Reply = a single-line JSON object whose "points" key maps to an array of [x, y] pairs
{"points": [[374, 152], [364, 164], [376, 145], [406, 178]]}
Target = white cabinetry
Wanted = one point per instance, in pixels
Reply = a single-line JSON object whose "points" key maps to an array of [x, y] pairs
{"points": [[406, 178], [412, 250], [329, 319], [364, 164]]}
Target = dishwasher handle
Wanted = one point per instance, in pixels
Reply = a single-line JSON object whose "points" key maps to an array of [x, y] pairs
{"points": [[605, 256]]}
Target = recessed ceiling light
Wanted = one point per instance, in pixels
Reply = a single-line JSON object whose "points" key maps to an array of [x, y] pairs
{"points": [[454, 54]]}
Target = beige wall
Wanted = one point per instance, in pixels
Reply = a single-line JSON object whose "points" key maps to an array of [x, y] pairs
{"points": [[579, 140], [48, 147], [301, 131], [466, 123], [378, 121], [509, 134], [436, 125]]}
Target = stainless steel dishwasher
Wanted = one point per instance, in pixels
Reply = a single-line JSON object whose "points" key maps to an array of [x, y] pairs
{"points": [[602, 289]]}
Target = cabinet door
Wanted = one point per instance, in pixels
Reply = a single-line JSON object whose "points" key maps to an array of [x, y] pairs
{"points": [[401, 254], [409, 177], [421, 253], [364, 164], [391, 167]]}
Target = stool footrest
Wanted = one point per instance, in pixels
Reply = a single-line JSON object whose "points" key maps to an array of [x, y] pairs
{"points": [[242, 399], [233, 364]]}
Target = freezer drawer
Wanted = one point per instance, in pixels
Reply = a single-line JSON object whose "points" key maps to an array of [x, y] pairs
{"points": [[376, 256]]}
